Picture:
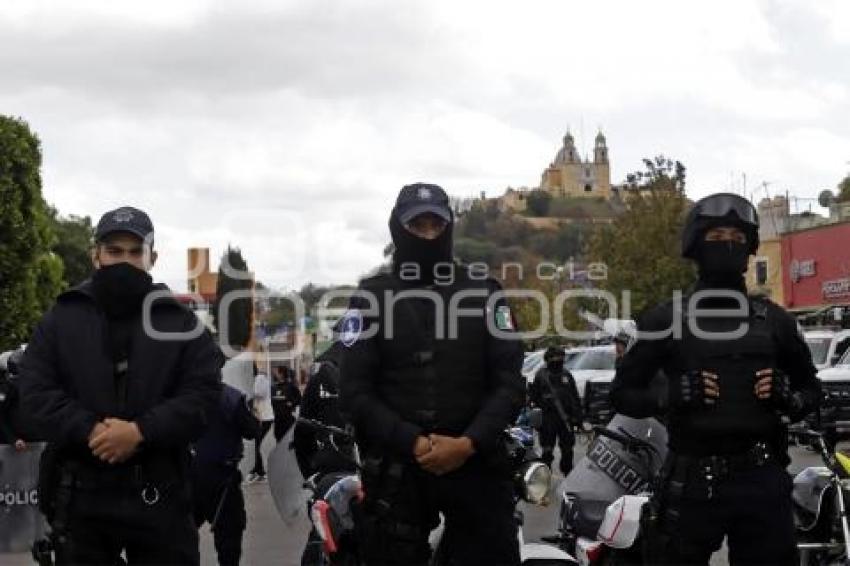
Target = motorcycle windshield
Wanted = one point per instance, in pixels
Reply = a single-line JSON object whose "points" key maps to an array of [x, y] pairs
{"points": [[609, 470]]}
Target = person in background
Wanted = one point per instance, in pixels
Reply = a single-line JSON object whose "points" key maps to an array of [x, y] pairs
{"points": [[216, 480], [264, 412], [554, 390], [285, 399]]}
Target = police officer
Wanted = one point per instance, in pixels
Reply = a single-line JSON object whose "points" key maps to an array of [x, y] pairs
{"points": [[285, 399], [216, 479], [321, 403], [737, 371], [119, 397], [431, 378], [554, 390]]}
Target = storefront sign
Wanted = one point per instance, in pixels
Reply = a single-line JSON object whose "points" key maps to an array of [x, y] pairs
{"points": [[837, 288], [802, 268]]}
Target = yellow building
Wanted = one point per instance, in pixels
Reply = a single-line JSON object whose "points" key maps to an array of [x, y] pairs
{"points": [[202, 281], [764, 275], [571, 176]]}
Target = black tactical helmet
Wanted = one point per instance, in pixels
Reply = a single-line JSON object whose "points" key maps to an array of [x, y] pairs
{"points": [[721, 209]]}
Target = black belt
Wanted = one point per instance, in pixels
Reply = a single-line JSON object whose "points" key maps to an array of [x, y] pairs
{"points": [[132, 477], [704, 473]]}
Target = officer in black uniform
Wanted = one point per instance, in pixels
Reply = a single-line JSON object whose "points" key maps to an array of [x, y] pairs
{"points": [[216, 479], [321, 403], [119, 397], [285, 399], [430, 386], [737, 372], [554, 390]]}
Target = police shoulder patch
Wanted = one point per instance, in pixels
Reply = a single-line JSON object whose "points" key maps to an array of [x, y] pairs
{"points": [[351, 327], [504, 318]]}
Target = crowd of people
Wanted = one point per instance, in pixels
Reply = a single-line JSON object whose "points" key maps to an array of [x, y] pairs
{"points": [[144, 440]]}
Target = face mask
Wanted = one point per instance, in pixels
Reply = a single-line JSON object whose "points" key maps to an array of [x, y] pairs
{"points": [[723, 263], [121, 288], [555, 366], [411, 249]]}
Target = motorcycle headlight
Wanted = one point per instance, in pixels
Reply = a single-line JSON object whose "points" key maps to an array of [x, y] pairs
{"points": [[536, 479]]}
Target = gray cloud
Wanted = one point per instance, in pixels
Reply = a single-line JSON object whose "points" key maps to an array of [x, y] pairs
{"points": [[318, 111]]}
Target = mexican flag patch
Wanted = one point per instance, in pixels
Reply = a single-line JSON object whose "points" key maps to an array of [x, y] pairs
{"points": [[504, 320]]}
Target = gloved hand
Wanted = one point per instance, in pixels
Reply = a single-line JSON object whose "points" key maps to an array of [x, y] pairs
{"points": [[773, 386], [695, 389]]}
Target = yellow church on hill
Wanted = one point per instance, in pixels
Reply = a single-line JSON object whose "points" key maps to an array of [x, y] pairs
{"points": [[571, 176]]}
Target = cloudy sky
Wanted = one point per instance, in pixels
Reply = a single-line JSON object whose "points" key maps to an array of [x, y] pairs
{"points": [[287, 127]]}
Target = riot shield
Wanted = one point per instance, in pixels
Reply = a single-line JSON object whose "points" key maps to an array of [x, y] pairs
{"points": [[286, 483], [21, 523]]}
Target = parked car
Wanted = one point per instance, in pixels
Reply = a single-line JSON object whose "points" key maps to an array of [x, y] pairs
{"points": [[835, 386], [827, 345]]}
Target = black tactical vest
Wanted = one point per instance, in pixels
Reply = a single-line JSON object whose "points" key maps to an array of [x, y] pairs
{"points": [[435, 381], [738, 419]]}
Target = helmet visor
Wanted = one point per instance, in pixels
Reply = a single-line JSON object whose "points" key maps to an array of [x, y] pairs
{"points": [[720, 205]]}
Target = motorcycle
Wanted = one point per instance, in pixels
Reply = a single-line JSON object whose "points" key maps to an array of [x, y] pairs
{"points": [[333, 541], [603, 497], [820, 497]]}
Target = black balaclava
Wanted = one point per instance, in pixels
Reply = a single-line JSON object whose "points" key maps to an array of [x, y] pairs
{"points": [[410, 248], [722, 264], [554, 358], [120, 289]]}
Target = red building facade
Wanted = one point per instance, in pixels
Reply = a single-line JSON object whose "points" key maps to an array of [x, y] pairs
{"points": [[816, 267]]}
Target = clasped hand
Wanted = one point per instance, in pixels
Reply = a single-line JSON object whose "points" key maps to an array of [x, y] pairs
{"points": [[114, 440], [440, 454]]}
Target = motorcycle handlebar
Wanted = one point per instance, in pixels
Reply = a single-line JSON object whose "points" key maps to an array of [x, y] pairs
{"points": [[626, 440], [322, 427]]}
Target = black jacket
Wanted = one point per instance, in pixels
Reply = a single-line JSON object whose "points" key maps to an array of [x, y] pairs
{"points": [[220, 449], [563, 386], [418, 381], [68, 382], [320, 403], [736, 360], [285, 399]]}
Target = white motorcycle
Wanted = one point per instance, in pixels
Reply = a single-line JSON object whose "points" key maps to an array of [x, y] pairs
{"points": [[604, 497], [328, 500], [820, 498]]}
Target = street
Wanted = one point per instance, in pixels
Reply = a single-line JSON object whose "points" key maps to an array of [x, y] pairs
{"points": [[268, 541]]}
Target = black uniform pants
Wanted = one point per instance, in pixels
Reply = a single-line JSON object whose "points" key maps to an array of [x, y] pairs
{"points": [[221, 503], [555, 430], [259, 469], [102, 523], [282, 423], [477, 505], [752, 508]]}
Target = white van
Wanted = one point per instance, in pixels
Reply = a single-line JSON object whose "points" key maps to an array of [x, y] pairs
{"points": [[827, 345]]}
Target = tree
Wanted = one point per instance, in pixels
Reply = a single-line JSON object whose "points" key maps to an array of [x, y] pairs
{"points": [[538, 202], [74, 236], [661, 173], [642, 247], [30, 275], [237, 313], [844, 190]]}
